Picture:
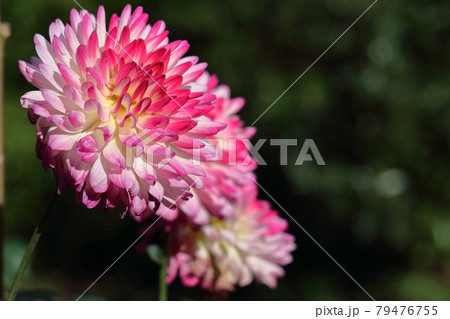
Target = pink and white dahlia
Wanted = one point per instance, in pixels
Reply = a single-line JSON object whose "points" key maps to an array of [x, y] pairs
{"points": [[118, 112], [226, 178], [232, 252]]}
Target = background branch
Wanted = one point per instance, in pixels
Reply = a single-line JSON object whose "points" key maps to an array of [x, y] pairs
{"points": [[4, 33]]}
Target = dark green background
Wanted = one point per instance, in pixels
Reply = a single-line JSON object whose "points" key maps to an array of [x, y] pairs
{"points": [[377, 106]]}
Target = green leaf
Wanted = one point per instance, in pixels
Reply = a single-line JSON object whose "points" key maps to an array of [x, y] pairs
{"points": [[156, 254]]}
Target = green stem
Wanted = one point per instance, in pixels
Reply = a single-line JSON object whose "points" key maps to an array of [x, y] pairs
{"points": [[30, 249], [162, 279]]}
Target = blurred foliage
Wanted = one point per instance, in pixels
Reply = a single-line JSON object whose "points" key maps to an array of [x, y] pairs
{"points": [[377, 106]]}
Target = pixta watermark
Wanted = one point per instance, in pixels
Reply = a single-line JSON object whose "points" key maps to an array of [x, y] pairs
{"points": [[307, 153], [153, 147]]}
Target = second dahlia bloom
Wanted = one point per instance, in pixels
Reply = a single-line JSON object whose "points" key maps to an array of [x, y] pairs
{"points": [[232, 252], [118, 112], [227, 177]]}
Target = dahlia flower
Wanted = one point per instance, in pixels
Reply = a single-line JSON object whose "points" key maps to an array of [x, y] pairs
{"points": [[118, 112], [226, 177], [232, 252]]}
